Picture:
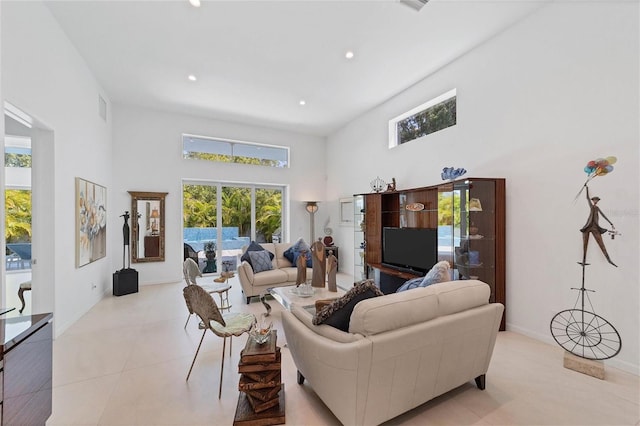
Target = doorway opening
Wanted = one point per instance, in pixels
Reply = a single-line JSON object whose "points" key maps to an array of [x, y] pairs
{"points": [[18, 213]]}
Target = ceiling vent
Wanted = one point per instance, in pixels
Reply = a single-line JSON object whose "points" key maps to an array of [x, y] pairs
{"points": [[414, 4]]}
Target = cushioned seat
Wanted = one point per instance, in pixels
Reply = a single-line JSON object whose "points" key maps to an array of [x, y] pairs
{"points": [[201, 303]]}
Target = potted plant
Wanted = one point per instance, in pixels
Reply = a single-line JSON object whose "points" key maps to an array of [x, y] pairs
{"points": [[210, 250]]}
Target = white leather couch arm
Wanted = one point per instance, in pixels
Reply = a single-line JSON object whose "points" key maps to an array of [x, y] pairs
{"points": [[329, 365], [245, 275]]}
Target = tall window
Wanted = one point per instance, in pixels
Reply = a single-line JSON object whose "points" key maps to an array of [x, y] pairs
{"points": [[230, 151], [430, 117], [230, 217], [17, 203]]}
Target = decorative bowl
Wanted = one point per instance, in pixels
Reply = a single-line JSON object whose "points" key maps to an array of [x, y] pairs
{"points": [[303, 290], [260, 333]]}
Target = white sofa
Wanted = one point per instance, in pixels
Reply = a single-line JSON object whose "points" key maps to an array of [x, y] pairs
{"points": [[284, 273], [402, 349]]}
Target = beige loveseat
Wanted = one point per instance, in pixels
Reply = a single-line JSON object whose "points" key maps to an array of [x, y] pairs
{"points": [[402, 349], [284, 273]]}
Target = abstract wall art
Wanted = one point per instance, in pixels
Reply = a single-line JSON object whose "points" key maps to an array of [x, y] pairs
{"points": [[91, 222]]}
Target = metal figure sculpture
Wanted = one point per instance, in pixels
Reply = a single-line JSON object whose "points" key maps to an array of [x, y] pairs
{"points": [[593, 227], [582, 332], [126, 235]]}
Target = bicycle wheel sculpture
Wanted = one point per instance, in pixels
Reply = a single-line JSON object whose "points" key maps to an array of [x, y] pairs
{"points": [[579, 331], [585, 334]]}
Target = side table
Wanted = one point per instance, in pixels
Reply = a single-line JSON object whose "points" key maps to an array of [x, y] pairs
{"points": [[223, 292], [261, 398]]}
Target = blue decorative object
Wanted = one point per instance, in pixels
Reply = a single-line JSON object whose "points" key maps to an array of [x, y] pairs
{"points": [[449, 173]]}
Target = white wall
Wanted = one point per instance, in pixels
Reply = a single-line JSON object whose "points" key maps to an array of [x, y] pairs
{"points": [[44, 75], [147, 156], [534, 105]]}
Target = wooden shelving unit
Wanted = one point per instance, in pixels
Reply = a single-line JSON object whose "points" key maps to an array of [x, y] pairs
{"points": [[469, 214]]}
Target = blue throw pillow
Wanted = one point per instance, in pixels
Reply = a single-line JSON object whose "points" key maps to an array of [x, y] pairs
{"points": [[438, 274], [288, 254], [412, 283], [254, 247], [260, 261], [297, 247], [300, 245]]}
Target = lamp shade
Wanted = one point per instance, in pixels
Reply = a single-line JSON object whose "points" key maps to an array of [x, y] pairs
{"points": [[312, 206]]}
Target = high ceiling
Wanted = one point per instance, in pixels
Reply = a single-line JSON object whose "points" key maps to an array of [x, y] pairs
{"points": [[256, 60]]}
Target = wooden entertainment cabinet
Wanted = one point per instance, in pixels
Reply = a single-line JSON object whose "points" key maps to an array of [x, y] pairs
{"points": [[469, 215]]}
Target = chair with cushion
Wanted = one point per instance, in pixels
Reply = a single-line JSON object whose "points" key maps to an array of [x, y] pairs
{"points": [[201, 303], [191, 271]]}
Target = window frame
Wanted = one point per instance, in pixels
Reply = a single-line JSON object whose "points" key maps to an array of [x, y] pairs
{"points": [[393, 123], [233, 142]]}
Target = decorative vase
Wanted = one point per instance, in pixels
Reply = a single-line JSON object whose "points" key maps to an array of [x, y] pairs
{"points": [[474, 257], [261, 331]]}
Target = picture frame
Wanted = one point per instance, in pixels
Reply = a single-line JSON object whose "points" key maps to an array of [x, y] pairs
{"points": [[91, 222], [346, 211]]}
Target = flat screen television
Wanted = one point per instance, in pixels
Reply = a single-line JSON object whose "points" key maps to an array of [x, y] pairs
{"points": [[413, 249]]}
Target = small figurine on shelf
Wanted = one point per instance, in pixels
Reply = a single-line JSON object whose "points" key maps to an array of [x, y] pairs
{"points": [[473, 231], [391, 187], [475, 205], [377, 185]]}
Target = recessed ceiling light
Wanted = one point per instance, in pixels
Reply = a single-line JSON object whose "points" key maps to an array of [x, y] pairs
{"points": [[195, 3], [302, 102], [349, 54], [192, 77]]}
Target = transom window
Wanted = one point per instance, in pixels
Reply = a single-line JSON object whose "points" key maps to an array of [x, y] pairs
{"points": [[430, 117], [231, 151]]}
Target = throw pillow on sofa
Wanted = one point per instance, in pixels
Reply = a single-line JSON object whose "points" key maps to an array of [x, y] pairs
{"points": [[292, 253], [260, 261], [412, 283], [437, 274], [254, 247], [338, 313]]}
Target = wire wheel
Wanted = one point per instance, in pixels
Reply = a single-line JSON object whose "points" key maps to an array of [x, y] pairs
{"points": [[585, 334]]}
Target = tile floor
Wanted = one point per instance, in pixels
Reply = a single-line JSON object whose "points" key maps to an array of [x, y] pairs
{"points": [[125, 363]]}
